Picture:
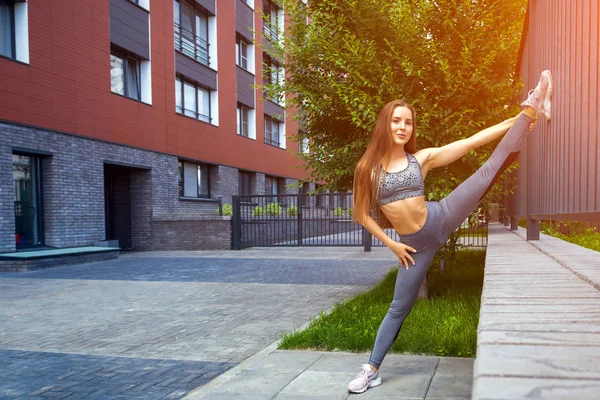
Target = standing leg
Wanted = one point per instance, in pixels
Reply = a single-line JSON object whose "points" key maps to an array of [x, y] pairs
{"points": [[407, 287]]}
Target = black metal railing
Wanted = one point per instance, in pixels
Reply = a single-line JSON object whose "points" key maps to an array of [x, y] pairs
{"points": [[315, 220], [272, 141], [191, 45], [193, 114]]}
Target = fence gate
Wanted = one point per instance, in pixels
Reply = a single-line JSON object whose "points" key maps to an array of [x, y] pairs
{"points": [[306, 220]]}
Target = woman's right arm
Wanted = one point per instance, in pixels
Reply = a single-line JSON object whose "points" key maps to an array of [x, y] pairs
{"points": [[400, 249]]}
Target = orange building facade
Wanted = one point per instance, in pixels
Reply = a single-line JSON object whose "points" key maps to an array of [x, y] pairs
{"points": [[135, 120]]}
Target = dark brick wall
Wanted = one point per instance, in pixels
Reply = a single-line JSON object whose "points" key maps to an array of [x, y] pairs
{"points": [[74, 206], [204, 234]]}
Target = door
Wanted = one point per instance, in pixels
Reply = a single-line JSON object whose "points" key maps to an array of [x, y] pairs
{"points": [[27, 184]]}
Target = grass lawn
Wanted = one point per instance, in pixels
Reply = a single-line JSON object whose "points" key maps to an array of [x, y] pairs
{"points": [[444, 325], [581, 236]]}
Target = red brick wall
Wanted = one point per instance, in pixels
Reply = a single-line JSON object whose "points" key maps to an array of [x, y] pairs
{"points": [[66, 87]]}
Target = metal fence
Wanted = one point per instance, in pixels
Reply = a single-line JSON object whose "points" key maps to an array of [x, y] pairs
{"points": [[314, 220], [559, 176]]}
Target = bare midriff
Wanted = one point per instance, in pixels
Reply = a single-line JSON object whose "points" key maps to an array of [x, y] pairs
{"points": [[406, 216]]}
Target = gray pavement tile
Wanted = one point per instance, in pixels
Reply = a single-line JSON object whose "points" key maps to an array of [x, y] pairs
{"points": [[333, 384], [450, 388], [455, 366], [238, 396], [290, 396], [257, 382], [400, 386], [282, 360], [408, 365]]}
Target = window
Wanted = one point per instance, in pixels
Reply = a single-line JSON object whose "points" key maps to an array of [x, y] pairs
{"points": [[192, 99], [303, 146], [273, 73], [272, 136], [191, 31], [14, 30], [272, 185], [125, 73], [244, 183], [242, 120], [271, 23], [241, 51], [7, 29], [193, 180]]}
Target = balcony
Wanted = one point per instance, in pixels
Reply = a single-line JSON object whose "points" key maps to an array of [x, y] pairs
{"points": [[187, 43]]}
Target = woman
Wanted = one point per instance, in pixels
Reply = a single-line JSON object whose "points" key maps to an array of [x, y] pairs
{"points": [[388, 193]]}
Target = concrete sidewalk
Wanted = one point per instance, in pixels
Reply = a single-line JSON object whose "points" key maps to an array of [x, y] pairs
{"points": [[303, 375], [273, 374]]}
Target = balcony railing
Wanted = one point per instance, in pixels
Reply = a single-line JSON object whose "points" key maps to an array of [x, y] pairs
{"points": [[191, 45], [271, 32], [271, 141], [193, 113]]}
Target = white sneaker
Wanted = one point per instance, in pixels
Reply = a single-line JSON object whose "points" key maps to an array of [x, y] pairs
{"points": [[365, 379], [540, 98]]}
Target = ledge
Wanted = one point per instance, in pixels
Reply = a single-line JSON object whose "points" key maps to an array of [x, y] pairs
{"points": [[539, 323], [39, 254]]}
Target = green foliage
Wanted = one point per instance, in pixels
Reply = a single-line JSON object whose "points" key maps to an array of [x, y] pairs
{"points": [[349, 212], [338, 212], [292, 211], [578, 232], [258, 211], [453, 60], [227, 209], [444, 325], [273, 209]]}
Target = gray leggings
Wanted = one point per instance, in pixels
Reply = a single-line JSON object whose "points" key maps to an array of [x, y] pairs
{"points": [[442, 219]]}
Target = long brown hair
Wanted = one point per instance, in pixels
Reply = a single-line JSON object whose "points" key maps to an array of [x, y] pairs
{"points": [[370, 167]]}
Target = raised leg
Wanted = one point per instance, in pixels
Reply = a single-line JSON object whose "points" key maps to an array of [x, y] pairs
{"points": [[459, 204]]}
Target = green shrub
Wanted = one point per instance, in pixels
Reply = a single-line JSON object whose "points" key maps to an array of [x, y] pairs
{"points": [[258, 211], [349, 212], [338, 212], [273, 209], [227, 209], [292, 211]]}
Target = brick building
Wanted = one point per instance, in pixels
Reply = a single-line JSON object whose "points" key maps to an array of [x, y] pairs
{"points": [[129, 119]]}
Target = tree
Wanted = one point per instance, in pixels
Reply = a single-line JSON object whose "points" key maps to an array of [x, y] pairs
{"points": [[453, 60]]}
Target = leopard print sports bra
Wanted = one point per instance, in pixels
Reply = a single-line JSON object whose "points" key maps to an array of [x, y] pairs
{"points": [[402, 184]]}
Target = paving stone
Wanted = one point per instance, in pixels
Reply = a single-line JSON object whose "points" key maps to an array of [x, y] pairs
{"points": [[450, 388], [258, 382], [333, 384], [507, 388], [70, 375], [287, 361]]}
